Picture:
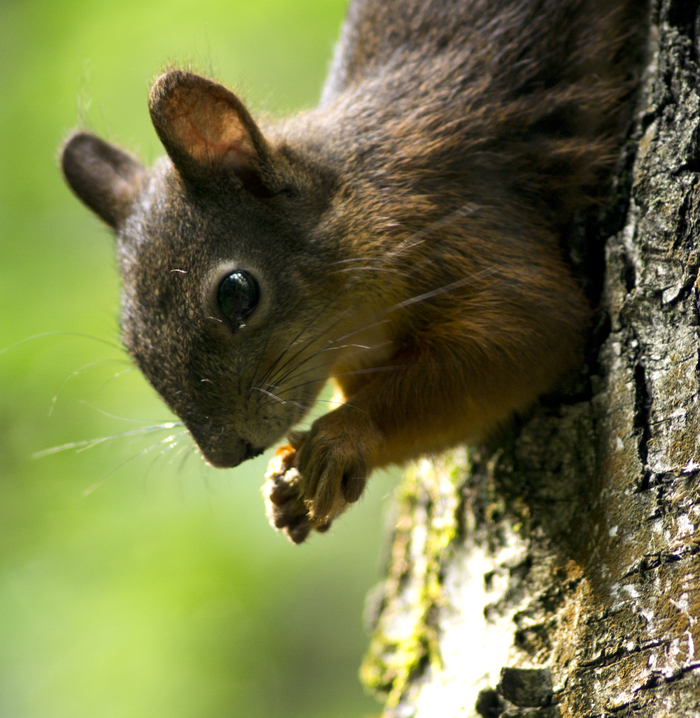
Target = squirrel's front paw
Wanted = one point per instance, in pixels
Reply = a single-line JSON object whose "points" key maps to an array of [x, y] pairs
{"points": [[334, 461], [285, 507], [311, 481]]}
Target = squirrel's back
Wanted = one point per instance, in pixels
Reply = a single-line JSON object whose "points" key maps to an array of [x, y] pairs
{"points": [[536, 90]]}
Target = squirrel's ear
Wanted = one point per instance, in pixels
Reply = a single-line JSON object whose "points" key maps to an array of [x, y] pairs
{"points": [[104, 177], [205, 128]]}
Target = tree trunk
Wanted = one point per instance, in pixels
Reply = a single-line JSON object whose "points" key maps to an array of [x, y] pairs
{"points": [[558, 574]]}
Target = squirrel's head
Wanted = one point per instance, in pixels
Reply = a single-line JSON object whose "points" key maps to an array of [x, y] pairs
{"points": [[228, 304]]}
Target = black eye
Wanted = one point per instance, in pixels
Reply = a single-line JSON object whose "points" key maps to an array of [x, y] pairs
{"points": [[238, 296]]}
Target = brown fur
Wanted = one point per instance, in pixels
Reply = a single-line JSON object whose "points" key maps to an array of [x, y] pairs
{"points": [[405, 235]]}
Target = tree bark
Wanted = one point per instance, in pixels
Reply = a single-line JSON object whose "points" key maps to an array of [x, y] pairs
{"points": [[558, 573]]}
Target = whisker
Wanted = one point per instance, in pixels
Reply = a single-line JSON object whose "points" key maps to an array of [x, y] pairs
{"points": [[283, 371], [410, 243], [421, 298], [173, 443], [463, 210], [369, 370], [74, 374], [273, 367], [115, 376], [114, 416], [347, 286], [99, 483], [326, 401], [301, 373], [260, 358], [381, 318], [357, 259], [418, 237], [327, 348], [443, 290], [189, 450], [44, 335], [276, 398], [81, 446], [390, 270], [277, 378], [351, 346]]}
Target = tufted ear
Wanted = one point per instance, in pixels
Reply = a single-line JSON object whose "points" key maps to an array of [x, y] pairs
{"points": [[207, 130], [104, 177]]}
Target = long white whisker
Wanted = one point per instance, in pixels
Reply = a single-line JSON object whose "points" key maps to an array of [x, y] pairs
{"points": [[44, 335], [115, 376], [391, 270], [99, 483], [357, 259], [277, 399], [89, 443], [351, 346], [172, 443], [114, 416], [74, 374], [442, 290], [420, 298]]}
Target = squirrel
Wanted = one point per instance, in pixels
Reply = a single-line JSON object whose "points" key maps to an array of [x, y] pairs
{"points": [[402, 238]]}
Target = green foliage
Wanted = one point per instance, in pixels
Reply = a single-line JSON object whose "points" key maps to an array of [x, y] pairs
{"points": [[134, 581]]}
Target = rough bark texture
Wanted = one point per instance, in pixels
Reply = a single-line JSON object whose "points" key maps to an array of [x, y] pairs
{"points": [[558, 574]]}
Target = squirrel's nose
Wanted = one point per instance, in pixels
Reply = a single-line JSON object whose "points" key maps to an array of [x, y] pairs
{"points": [[230, 454]]}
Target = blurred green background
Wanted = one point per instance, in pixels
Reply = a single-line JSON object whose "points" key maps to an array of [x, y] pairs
{"points": [[133, 580]]}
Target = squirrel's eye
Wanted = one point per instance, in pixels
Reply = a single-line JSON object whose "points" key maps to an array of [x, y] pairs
{"points": [[238, 296]]}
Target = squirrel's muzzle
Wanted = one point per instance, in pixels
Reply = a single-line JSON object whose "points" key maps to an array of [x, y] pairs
{"points": [[231, 454]]}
